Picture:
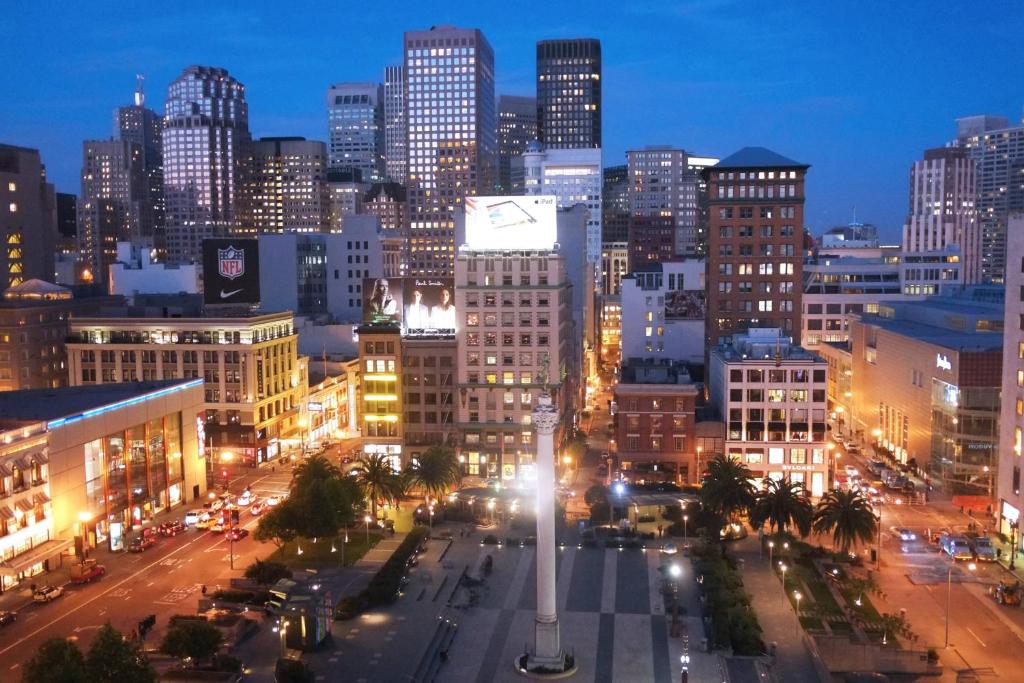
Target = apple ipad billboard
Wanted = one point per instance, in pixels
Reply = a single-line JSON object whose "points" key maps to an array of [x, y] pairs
{"points": [[510, 223]]}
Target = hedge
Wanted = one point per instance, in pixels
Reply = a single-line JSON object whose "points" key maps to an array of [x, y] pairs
{"points": [[383, 587]]}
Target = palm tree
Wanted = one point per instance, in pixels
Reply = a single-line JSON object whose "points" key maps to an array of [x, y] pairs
{"points": [[726, 488], [315, 468], [781, 504], [435, 472], [377, 480], [848, 516]]}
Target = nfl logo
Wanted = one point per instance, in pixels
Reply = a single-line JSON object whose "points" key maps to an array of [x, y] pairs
{"points": [[231, 262]]}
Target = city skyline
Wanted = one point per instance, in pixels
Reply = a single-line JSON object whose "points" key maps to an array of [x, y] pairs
{"points": [[703, 76]]}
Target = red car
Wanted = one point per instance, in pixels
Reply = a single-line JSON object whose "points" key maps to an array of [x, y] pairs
{"points": [[237, 534], [141, 543], [171, 528], [87, 574]]}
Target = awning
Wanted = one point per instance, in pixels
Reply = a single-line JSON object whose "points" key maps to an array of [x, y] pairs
{"points": [[40, 499], [40, 458], [23, 463], [25, 505], [5, 469], [6, 512], [27, 560]]}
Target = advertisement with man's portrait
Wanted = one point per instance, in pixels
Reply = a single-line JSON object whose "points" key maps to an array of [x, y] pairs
{"points": [[382, 301]]}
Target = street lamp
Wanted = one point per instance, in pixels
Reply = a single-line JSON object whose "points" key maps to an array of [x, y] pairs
{"points": [[431, 518], [797, 595], [367, 520], [490, 509], [771, 552], [675, 571], [949, 590], [619, 489], [783, 567], [685, 517]]}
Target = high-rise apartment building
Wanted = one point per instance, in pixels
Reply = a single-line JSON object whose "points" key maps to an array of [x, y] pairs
{"points": [[755, 204], [665, 181], [111, 203], [355, 123], [451, 137], [569, 93], [615, 204], [141, 125], [513, 342], [395, 147], [942, 208], [1011, 415], [206, 123], [345, 194], [998, 151], [517, 127], [574, 177], [283, 187], [28, 217]]}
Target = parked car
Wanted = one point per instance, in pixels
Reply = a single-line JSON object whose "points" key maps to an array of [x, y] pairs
{"points": [[191, 517], [171, 528], [8, 618], [272, 501], [87, 572], [141, 543], [237, 534], [984, 550], [47, 593], [958, 548]]}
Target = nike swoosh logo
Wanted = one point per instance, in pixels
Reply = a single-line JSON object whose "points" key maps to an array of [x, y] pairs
{"points": [[225, 295]]}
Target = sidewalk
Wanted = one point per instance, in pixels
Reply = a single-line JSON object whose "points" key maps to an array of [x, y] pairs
{"points": [[779, 624]]}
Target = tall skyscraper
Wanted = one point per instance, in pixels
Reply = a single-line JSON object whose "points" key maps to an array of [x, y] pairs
{"points": [[355, 113], [28, 217], [755, 242], [283, 186], [665, 181], [1011, 416], [451, 133], [942, 208], [615, 204], [998, 151], [574, 177], [206, 122], [395, 151], [517, 126], [111, 203], [569, 92], [141, 125]]}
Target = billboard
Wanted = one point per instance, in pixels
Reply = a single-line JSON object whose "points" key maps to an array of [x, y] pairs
{"points": [[685, 304], [382, 301], [429, 306], [231, 271], [510, 223]]}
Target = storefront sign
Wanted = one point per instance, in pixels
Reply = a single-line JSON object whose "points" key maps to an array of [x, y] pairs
{"points": [[942, 362], [798, 468], [1010, 512], [315, 406]]}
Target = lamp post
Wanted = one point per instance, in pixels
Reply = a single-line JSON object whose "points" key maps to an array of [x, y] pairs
{"points": [[675, 571], [949, 590], [797, 595], [490, 509], [771, 552], [367, 520], [431, 527], [619, 489], [783, 567], [699, 450], [685, 517], [1013, 543]]}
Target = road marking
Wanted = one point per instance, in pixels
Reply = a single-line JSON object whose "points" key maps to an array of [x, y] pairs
{"points": [[94, 598], [975, 636]]}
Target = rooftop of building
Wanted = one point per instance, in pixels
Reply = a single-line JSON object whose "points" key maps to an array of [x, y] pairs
{"points": [[392, 191], [37, 290], [74, 403], [659, 266], [972, 340], [763, 343], [654, 371], [138, 315], [758, 157]]}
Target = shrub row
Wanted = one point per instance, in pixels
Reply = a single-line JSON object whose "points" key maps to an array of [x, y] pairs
{"points": [[383, 587], [733, 622]]}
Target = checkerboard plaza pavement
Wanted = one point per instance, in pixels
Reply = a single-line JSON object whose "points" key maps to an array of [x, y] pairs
{"points": [[611, 615]]}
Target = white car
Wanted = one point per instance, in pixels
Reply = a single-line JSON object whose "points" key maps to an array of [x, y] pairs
{"points": [[191, 517], [47, 593], [245, 500], [852, 472], [272, 501]]}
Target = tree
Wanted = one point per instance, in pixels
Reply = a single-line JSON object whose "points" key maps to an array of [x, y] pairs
{"points": [[112, 659], [267, 573], [435, 472], [597, 493], [848, 516], [314, 469], [726, 488], [377, 480], [782, 504], [56, 661], [192, 639], [278, 525]]}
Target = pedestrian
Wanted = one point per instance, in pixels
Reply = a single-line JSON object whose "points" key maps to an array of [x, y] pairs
{"points": [[204, 589]]}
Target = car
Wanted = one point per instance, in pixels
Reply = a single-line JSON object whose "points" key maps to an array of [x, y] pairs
{"points": [[904, 533], [171, 528], [237, 534], [191, 517], [958, 548], [205, 523], [218, 528], [47, 593], [853, 449], [8, 618], [346, 460], [984, 550], [87, 573], [852, 471], [258, 508], [216, 505], [245, 500], [141, 543], [272, 501]]}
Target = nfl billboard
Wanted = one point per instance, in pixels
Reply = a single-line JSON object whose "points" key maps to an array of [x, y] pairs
{"points": [[510, 223], [231, 271], [382, 301], [429, 306]]}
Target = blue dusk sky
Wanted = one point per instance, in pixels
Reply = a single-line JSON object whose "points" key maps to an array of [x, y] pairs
{"points": [[856, 89]]}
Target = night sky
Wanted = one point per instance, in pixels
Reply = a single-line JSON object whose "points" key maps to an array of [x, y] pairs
{"points": [[856, 91]]}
